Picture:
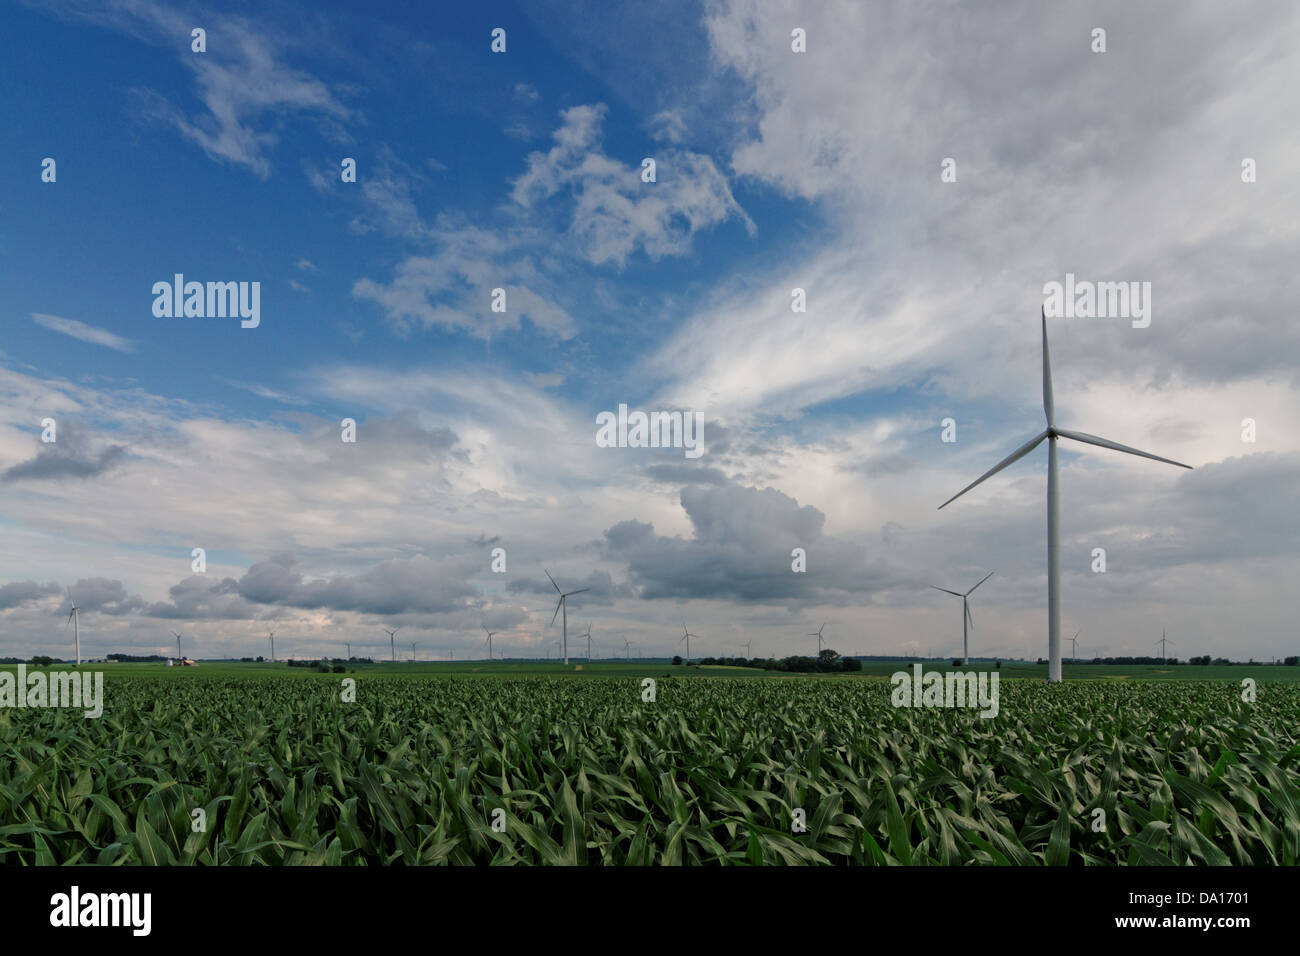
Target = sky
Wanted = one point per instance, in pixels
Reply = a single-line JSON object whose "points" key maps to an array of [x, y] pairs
{"points": [[920, 171]]}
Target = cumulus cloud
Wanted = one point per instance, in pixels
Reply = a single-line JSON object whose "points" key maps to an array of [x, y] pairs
{"points": [[612, 213], [741, 548]]}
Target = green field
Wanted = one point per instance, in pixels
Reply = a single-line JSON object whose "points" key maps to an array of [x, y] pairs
{"points": [[419, 768]]}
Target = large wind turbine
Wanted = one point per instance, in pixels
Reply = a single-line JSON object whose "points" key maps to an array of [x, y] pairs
{"points": [[965, 614], [686, 636], [563, 605], [818, 634], [1051, 433], [1162, 642], [392, 646], [489, 639], [177, 635], [271, 635], [76, 629]]}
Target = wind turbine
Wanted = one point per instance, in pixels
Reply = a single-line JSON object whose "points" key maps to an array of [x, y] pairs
{"points": [[271, 635], [627, 646], [412, 652], [392, 647], [588, 636], [1162, 642], [965, 613], [1074, 650], [176, 634], [76, 629], [489, 639], [349, 644], [686, 636], [746, 645], [818, 634], [563, 605], [1052, 433]]}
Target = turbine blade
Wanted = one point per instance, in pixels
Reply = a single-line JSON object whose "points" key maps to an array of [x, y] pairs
{"points": [[557, 610], [579, 591], [1049, 409], [1105, 443], [982, 580], [557, 587], [946, 591], [1011, 459]]}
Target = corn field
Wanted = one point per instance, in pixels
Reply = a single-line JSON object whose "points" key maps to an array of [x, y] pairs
{"points": [[717, 771]]}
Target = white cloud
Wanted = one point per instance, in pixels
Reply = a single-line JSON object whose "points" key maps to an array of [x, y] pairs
{"points": [[84, 332]]}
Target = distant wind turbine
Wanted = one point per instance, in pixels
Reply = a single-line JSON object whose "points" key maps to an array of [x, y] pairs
{"points": [[271, 635], [627, 646], [489, 639], [563, 605], [392, 647], [1074, 649], [1162, 642], [1051, 433], [686, 636], [76, 628], [818, 634], [588, 643], [965, 613], [746, 646], [177, 635], [412, 652]]}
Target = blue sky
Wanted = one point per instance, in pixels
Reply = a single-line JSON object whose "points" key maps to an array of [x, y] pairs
{"points": [[521, 171]]}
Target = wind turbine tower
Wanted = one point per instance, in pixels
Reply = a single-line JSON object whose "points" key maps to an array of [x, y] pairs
{"points": [[818, 634], [686, 636], [563, 605], [965, 613], [489, 639], [76, 629], [392, 646], [1051, 434]]}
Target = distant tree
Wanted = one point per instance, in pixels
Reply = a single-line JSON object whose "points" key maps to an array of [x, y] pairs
{"points": [[677, 660], [339, 669], [1292, 662], [259, 658], [956, 663], [40, 660], [998, 665]]}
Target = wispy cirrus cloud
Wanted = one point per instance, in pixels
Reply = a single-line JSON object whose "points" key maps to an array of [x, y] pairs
{"points": [[241, 80], [84, 332]]}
